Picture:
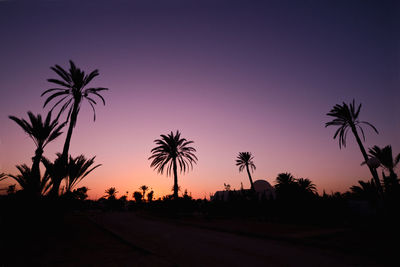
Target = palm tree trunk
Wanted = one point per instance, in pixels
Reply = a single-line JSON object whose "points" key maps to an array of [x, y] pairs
{"points": [[36, 171], [175, 179], [72, 123], [251, 180], [364, 153], [55, 188]]}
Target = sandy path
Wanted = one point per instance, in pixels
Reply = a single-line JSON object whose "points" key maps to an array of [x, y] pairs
{"points": [[186, 245]]}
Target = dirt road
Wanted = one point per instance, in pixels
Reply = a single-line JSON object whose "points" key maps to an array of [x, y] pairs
{"points": [[184, 245]]}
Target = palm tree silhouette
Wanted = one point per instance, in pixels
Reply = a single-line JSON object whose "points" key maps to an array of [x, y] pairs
{"points": [[170, 151], [144, 189], [306, 185], [391, 183], [245, 160], [111, 193], [284, 180], [57, 171], [78, 168], [385, 157], [365, 190], [346, 117], [72, 94], [29, 183], [42, 133]]}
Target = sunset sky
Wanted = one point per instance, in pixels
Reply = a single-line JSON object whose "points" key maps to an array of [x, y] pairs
{"points": [[232, 76]]}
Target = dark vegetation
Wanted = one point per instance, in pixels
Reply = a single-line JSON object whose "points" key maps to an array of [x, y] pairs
{"points": [[42, 199]]}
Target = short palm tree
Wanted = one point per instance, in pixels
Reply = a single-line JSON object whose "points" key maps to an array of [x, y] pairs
{"points": [[284, 180], [346, 118], [77, 169], [42, 133], [385, 157], [286, 186], [306, 185], [245, 160], [171, 151], [72, 94], [29, 184], [111, 193], [57, 171], [365, 190]]}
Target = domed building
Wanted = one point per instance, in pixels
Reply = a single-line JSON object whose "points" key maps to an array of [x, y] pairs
{"points": [[264, 189]]}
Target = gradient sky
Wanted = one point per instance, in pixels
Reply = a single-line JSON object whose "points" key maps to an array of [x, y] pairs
{"points": [[232, 76]]}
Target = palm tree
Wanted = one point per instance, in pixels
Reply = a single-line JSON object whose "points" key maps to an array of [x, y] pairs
{"points": [[42, 133], [306, 185], [144, 189], [245, 160], [57, 171], [346, 117], [28, 184], [286, 186], [78, 168], [385, 157], [111, 192], [170, 151], [72, 93], [365, 190], [284, 180]]}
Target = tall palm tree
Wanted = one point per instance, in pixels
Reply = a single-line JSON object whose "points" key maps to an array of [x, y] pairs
{"points": [[77, 169], [245, 160], [42, 133], [72, 94], [170, 151], [28, 184], [346, 118], [385, 157]]}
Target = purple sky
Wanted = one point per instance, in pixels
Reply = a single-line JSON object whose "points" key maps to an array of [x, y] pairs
{"points": [[232, 76]]}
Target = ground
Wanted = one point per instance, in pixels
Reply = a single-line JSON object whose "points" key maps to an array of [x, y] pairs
{"points": [[129, 239]]}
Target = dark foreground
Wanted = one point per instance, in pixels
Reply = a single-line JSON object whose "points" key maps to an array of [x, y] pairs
{"points": [[126, 239]]}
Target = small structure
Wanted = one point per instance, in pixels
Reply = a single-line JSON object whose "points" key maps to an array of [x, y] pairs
{"points": [[263, 189]]}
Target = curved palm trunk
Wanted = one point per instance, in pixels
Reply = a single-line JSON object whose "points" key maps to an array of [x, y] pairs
{"points": [[64, 157], [175, 179], [251, 180], [364, 153], [74, 116]]}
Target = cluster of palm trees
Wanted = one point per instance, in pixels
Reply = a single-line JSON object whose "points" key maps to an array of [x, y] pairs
{"points": [[346, 117], [171, 151], [70, 92], [289, 187]]}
